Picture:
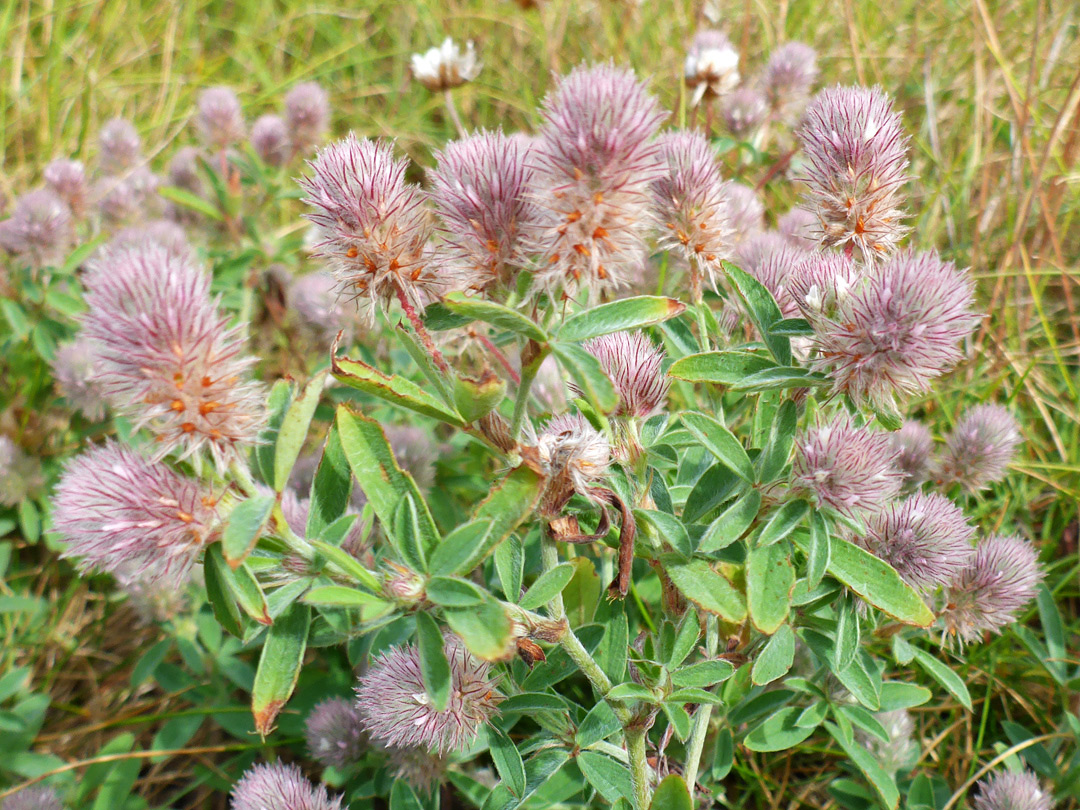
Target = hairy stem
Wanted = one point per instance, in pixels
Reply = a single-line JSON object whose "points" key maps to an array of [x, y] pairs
{"points": [[498, 354], [521, 401], [422, 332], [451, 108], [702, 325], [701, 719], [639, 767]]}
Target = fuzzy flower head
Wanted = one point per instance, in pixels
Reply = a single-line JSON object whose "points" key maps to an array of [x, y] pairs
{"points": [[120, 512], [168, 356], [690, 199], [127, 198], [752, 251], [899, 327], [162, 232], [280, 787], [574, 456], [220, 120], [788, 78], [20, 474], [822, 285], [634, 365], [595, 158], [424, 771], [446, 67], [998, 582], [711, 68], [395, 709], [67, 179], [797, 226], [75, 373], [856, 161], [901, 752], [120, 145], [334, 733], [846, 468], [926, 538], [373, 225], [270, 140], [39, 229], [184, 170], [481, 192], [307, 115], [35, 797], [744, 111], [314, 298], [915, 445], [774, 272], [746, 212], [1012, 791], [978, 451]]}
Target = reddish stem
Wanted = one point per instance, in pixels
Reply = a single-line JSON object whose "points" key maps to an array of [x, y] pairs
{"points": [[422, 332], [495, 350]]}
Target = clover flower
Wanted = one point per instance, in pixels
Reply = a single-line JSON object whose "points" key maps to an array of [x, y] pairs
{"points": [[421, 769], [334, 734], [999, 580], [1006, 790], [395, 708], [120, 512], [711, 68], [634, 365], [67, 179], [846, 468], [39, 229], [314, 298], [899, 328], [374, 227], [821, 284], [445, 67], [980, 448], [184, 170], [164, 232], [167, 354], [594, 161], [280, 787], [75, 373], [856, 157], [788, 78], [744, 111], [35, 797], [691, 201], [270, 140], [774, 272], [20, 474], [746, 212], [307, 115], [154, 600], [901, 752], [120, 146], [220, 120], [926, 538], [130, 197], [752, 251], [915, 445], [481, 192], [797, 226], [573, 455]]}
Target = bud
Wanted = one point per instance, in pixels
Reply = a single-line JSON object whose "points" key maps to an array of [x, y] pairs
{"points": [[307, 115]]}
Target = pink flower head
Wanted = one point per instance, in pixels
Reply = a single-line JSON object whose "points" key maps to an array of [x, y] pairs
{"points": [[314, 298], [335, 736], [395, 709], [756, 248], [980, 448], [915, 445], [821, 284], [35, 797], [184, 170], [788, 78], [744, 111], [595, 158], [67, 179], [220, 120], [270, 140], [634, 365], [120, 512], [797, 226], [280, 787], [167, 354], [75, 372], [374, 226], [856, 161], [120, 145], [481, 191], [901, 752], [307, 115], [1006, 790], [162, 232], [746, 212], [712, 66], [39, 230], [133, 196]]}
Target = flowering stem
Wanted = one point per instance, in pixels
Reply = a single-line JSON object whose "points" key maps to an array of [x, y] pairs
{"points": [[495, 350], [521, 402], [422, 332], [701, 719], [639, 767], [451, 108], [702, 325]]}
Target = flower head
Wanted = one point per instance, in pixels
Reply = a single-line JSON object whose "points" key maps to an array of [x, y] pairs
{"points": [[821, 284], [130, 197], [162, 232], [67, 179], [634, 365], [39, 229], [75, 372], [481, 192], [901, 752], [744, 111], [856, 157], [20, 473], [120, 512], [315, 299], [574, 455], [915, 445], [334, 734], [270, 140], [35, 797], [926, 538], [374, 226], [395, 709], [446, 67], [774, 272], [691, 201], [220, 121], [999, 580], [978, 451], [1006, 790], [711, 68], [789, 75], [120, 145], [746, 212], [797, 226], [421, 769], [595, 158], [167, 354], [280, 787], [847, 468], [756, 248], [307, 115]]}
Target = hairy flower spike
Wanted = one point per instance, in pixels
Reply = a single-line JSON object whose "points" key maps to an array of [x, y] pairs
{"points": [[1006, 790], [752, 251], [134, 518], [162, 232], [634, 365], [980, 448], [315, 299], [270, 140], [128, 198], [120, 145], [373, 225], [35, 797], [446, 67], [280, 787], [915, 445], [746, 213], [39, 230], [788, 78], [901, 752], [856, 161], [67, 179], [20, 474], [711, 68], [75, 372], [574, 455], [797, 226], [481, 192], [167, 354], [847, 468], [307, 116], [744, 111], [997, 583], [335, 736], [220, 121], [926, 538], [395, 708], [421, 769], [595, 158]]}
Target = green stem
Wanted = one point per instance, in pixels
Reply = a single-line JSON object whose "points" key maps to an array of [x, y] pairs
{"points": [[703, 329], [639, 768], [521, 401], [701, 719]]}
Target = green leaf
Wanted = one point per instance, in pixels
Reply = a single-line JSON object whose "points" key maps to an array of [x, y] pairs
{"points": [[792, 327], [847, 635], [775, 658], [721, 443], [294, 430], [877, 583], [610, 778], [598, 724], [883, 784], [686, 638], [246, 524], [394, 389], [403, 797], [770, 579], [509, 563], [509, 504], [16, 318], [279, 666], [699, 583], [193, 202], [496, 314], [777, 450], [507, 760], [783, 522], [779, 732], [347, 564], [694, 694], [723, 368], [434, 667], [731, 524], [762, 309], [632, 691], [331, 488], [547, 586], [817, 556], [29, 520], [587, 373], [263, 455], [944, 675], [679, 719], [456, 554], [529, 702], [616, 316], [782, 377], [408, 535], [1050, 617], [898, 695], [484, 628], [863, 684], [245, 588], [454, 592], [339, 596], [702, 674], [221, 600], [668, 528], [671, 794]]}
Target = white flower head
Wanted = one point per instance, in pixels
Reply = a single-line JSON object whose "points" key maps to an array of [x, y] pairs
{"points": [[446, 67], [712, 66]]}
